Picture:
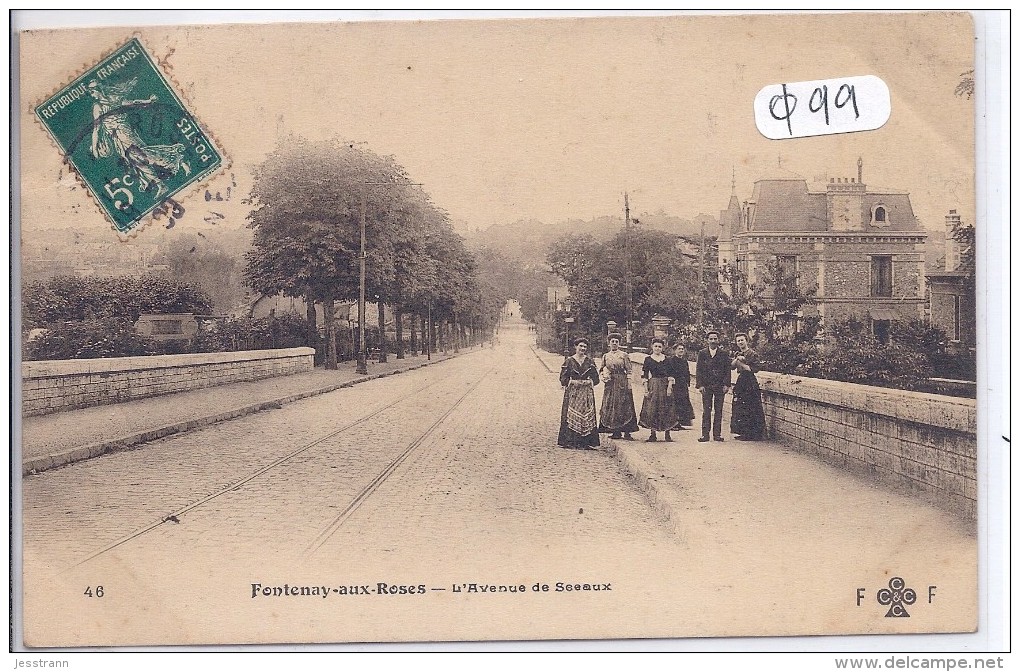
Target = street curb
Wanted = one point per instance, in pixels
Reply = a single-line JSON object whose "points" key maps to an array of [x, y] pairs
{"points": [[539, 358], [660, 496], [46, 462]]}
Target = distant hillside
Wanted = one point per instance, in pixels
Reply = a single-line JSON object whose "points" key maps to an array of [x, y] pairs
{"points": [[528, 239]]}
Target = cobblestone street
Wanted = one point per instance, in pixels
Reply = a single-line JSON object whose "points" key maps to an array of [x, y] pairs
{"points": [[443, 486], [483, 495]]}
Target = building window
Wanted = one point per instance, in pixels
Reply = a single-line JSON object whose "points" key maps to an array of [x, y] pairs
{"points": [[879, 216], [787, 264], [881, 275], [956, 318], [880, 328]]}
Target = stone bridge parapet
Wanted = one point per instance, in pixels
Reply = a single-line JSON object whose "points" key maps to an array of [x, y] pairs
{"points": [[923, 443], [60, 385]]}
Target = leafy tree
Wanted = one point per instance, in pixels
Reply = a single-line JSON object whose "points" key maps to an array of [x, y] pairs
{"points": [[532, 294], [767, 307], [308, 199], [574, 258], [207, 265], [964, 235], [660, 277]]}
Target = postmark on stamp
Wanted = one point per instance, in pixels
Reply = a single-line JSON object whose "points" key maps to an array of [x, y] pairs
{"points": [[130, 138]]}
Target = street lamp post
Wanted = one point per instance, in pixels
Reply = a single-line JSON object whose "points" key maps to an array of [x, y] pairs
{"points": [[627, 281]]}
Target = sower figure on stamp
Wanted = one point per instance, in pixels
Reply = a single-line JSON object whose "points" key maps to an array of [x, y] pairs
{"points": [[712, 378], [618, 414], [578, 377], [113, 134]]}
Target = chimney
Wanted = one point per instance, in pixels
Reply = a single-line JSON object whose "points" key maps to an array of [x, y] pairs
{"points": [[844, 203], [952, 245]]}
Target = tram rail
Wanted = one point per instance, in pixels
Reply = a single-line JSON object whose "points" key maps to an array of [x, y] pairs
{"points": [[346, 513]]}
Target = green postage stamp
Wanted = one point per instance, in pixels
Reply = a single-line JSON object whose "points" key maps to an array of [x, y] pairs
{"points": [[130, 138]]}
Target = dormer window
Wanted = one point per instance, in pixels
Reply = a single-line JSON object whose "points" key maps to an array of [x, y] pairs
{"points": [[880, 215]]}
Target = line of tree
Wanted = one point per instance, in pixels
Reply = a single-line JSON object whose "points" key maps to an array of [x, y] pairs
{"points": [[308, 199]]}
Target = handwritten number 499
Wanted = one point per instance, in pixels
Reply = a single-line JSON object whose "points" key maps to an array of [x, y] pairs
{"points": [[819, 102], [89, 592]]}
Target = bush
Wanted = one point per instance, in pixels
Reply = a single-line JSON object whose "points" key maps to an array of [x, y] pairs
{"points": [[70, 298], [288, 330], [852, 354], [116, 337], [872, 364], [87, 339]]}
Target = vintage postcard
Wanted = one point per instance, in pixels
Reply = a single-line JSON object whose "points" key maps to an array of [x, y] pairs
{"points": [[507, 329]]}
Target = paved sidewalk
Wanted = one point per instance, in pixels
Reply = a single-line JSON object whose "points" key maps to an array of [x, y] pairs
{"points": [[748, 496], [49, 441]]}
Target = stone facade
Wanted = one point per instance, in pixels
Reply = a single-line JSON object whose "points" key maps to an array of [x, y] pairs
{"points": [[952, 306], [60, 385], [951, 295], [922, 443], [862, 249]]}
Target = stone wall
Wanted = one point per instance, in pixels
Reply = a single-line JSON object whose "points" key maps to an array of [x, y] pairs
{"points": [[60, 385], [841, 311], [922, 443]]}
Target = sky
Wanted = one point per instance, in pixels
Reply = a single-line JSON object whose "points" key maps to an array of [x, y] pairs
{"points": [[547, 119]]}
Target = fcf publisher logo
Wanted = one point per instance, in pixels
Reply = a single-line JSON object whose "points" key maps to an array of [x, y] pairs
{"points": [[896, 596]]}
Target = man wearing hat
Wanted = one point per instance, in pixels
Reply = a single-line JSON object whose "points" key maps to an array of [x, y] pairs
{"points": [[713, 380]]}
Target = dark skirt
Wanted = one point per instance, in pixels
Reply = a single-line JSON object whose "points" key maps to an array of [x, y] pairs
{"points": [[658, 412], [748, 418], [684, 407], [582, 396], [618, 414]]}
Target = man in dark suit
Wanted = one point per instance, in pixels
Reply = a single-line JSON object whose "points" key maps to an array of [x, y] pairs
{"points": [[712, 378]]}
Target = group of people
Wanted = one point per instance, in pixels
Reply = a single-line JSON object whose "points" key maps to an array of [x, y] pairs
{"points": [[666, 405]]}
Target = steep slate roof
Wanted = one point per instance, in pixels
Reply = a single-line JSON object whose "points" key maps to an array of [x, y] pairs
{"points": [[788, 205], [900, 214], [729, 219]]}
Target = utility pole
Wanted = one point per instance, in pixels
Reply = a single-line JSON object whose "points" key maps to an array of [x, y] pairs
{"points": [[626, 269], [701, 277], [362, 367]]}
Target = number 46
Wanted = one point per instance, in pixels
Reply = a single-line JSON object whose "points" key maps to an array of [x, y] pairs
{"points": [[90, 593]]}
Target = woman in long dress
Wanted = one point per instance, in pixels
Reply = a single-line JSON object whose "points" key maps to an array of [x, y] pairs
{"points": [[657, 410], [747, 421], [578, 377], [619, 418], [681, 388]]}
